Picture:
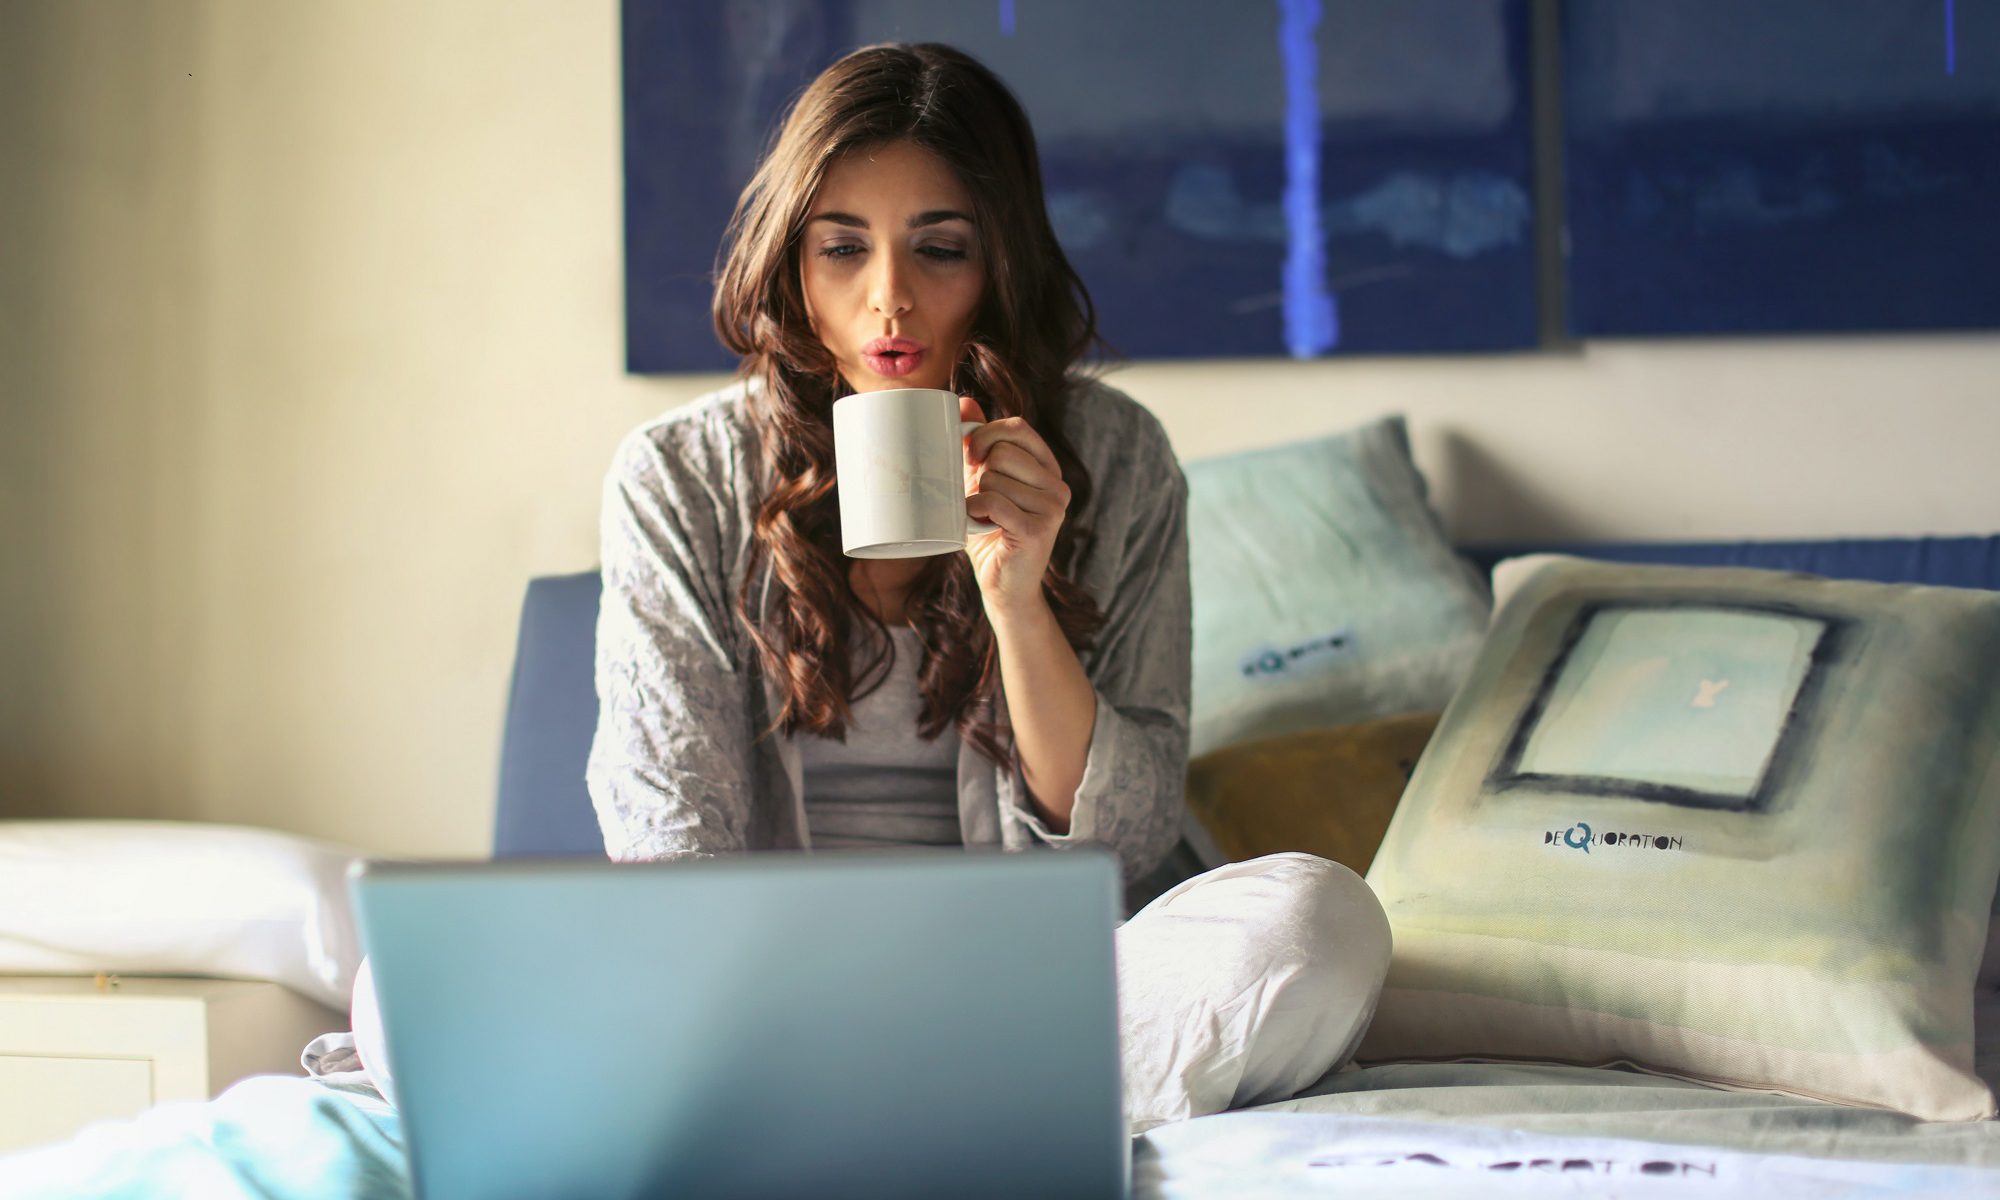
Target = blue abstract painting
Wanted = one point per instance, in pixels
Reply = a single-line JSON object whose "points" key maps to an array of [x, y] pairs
{"points": [[1776, 165], [1293, 177]]}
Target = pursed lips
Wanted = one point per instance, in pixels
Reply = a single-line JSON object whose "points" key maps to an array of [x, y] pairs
{"points": [[892, 356]]}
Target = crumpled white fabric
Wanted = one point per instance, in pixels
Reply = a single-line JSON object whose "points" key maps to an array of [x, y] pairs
{"points": [[1246, 984], [371, 1045]]}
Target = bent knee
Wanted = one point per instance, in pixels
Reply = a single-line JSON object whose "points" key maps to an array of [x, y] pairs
{"points": [[1312, 906], [1334, 915]]}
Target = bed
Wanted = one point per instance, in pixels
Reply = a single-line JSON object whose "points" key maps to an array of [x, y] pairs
{"points": [[1390, 1129]]}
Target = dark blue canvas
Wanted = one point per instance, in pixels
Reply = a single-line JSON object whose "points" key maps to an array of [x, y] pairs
{"points": [[1229, 180], [1760, 166]]}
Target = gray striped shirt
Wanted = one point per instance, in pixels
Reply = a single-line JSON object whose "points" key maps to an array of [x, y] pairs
{"points": [[884, 784]]}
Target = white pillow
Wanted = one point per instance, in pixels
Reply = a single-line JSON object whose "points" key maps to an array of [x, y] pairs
{"points": [[177, 898]]}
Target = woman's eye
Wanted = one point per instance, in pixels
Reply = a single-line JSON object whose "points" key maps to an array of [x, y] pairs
{"points": [[942, 253], [840, 250]]}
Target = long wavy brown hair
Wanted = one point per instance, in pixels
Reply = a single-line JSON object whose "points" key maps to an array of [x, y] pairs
{"points": [[1024, 352]]}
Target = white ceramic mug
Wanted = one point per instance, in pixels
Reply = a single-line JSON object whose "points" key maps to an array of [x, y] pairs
{"points": [[900, 460]]}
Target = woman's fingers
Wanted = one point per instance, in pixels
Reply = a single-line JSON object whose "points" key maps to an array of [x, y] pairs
{"points": [[1025, 497], [1018, 482], [1011, 431], [1014, 462], [994, 506]]}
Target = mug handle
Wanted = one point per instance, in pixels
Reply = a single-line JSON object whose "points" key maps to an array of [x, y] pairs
{"points": [[972, 524]]}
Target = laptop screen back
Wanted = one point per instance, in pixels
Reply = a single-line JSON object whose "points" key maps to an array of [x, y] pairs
{"points": [[920, 1023]]}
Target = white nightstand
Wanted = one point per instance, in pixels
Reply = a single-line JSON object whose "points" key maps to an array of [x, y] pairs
{"points": [[72, 1052]]}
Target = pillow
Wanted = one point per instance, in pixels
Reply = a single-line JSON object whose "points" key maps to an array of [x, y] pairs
{"points": [[173, 898], [1328, 792], [1735, 826], [1506, 576], [1324, 590]]}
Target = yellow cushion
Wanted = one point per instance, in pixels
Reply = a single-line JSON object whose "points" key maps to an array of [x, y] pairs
{"points": [[1328, 792]]}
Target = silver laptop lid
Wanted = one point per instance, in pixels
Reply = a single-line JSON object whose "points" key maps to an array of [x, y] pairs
{"points": [[898, 1024]]}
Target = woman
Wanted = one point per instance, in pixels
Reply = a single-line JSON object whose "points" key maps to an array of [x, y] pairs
{"points": [[863, 256], [758, 690]]}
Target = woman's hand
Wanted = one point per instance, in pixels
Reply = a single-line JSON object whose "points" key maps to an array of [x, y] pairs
{"points": [[1013, 481]]}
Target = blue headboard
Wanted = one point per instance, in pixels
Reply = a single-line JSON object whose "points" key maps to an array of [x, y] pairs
{"points": [[551, 715], [552, 705], [1944, 562]]}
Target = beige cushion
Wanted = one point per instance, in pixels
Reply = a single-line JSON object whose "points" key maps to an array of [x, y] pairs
{"points": [[1736, 826]]}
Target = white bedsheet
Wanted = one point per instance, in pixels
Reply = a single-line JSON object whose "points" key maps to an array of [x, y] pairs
{"points": [[272, 1138], [1250, 1155]]}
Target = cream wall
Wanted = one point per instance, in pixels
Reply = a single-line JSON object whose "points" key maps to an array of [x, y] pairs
{"points": [[310, 352]]}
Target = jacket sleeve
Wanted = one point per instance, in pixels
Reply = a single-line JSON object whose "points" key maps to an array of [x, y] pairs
{"points": [[1135, 771], [669, 771]]}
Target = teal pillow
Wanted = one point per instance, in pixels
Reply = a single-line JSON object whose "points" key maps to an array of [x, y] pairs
{"points": [[1325, 592], [1735, 826]]}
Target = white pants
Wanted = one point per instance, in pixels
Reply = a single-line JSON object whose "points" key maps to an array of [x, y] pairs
{"points": [[1236, 987], [1246, 984]]}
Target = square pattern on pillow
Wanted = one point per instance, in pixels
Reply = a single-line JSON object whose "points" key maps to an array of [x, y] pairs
{"points": [[1731, 825], [1325, 592]]}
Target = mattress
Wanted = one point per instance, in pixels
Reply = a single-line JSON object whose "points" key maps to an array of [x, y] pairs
{"points": [[1496, 1129]]}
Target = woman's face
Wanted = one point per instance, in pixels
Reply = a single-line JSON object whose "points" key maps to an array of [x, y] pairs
{"points": [[891, 267]]}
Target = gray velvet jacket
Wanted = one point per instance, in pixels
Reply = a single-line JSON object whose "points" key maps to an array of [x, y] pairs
{"points": [[677, 767]]}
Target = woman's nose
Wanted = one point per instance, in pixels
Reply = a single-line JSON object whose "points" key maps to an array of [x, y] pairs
{"points": [[888, 287]]}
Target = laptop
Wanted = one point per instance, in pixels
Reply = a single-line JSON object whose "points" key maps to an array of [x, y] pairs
{"points": [[903, 1023]]}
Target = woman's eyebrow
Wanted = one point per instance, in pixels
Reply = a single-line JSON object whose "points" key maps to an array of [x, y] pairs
{"points": [[938, 216], [935, 216]]}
